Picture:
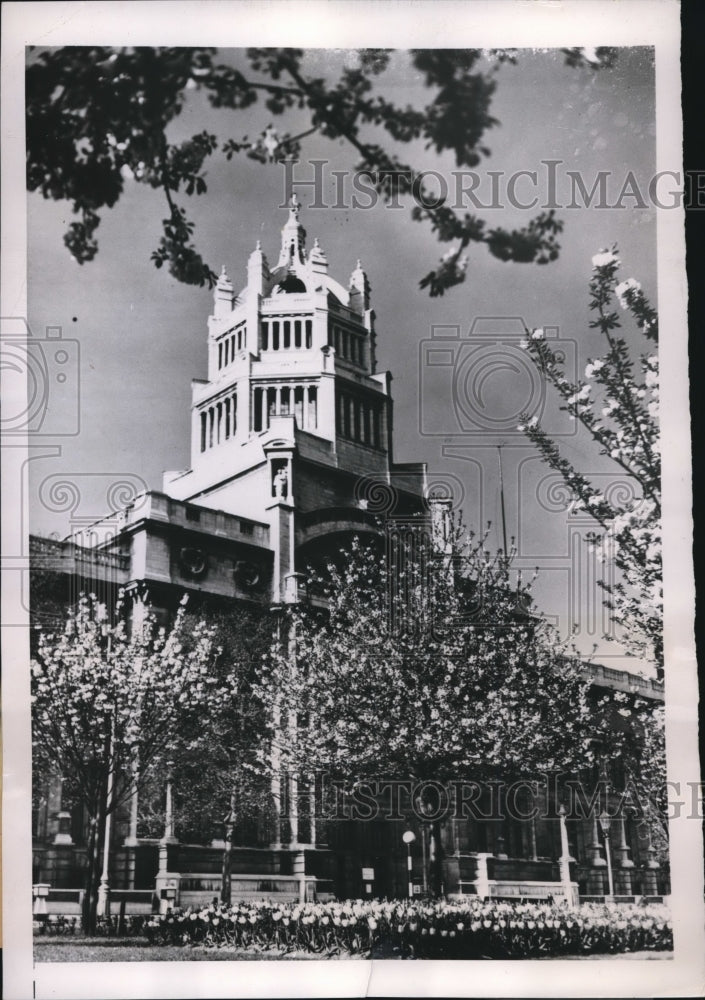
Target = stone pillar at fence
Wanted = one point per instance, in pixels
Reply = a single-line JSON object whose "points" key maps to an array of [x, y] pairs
{"points": [[63, 833], [299, 870], [482, 879]]}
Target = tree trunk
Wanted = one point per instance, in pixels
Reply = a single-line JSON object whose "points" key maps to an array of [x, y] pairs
{"points": [[435, 860], [93, 871], [227, 866]]}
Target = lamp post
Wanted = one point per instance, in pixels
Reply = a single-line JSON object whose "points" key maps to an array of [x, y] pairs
{"points": [[409, 837], [605, 826]]}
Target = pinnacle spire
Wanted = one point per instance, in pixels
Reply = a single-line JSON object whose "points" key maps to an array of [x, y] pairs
{"points": [[293, 236]]}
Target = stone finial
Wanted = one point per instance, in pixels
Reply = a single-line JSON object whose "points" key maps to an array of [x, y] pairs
{"points": [[317, 257], [223, 279], [359, 290], [223, 294]]}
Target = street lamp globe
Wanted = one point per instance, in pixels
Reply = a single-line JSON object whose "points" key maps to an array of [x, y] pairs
{"points": [[409, 837]]}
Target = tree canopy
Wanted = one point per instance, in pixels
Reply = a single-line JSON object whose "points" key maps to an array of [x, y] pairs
{"points": [[98, 116], [425, 666]]}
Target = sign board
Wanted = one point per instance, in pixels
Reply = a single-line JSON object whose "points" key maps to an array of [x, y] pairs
{"points": [[417, 890], [368, 889], [368, 874]]}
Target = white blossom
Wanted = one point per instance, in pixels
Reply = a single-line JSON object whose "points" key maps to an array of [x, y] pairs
{"points": [[593, 367], [622, 290], [604, 259]]}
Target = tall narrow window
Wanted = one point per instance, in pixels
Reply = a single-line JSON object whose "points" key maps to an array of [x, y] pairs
{"points": [[271, 403], [219, 418], [309, 333], [366, 424], [257, 411], [234, 413], [233, 345], [287, 334], [226, 404], [299, 405], [220, 355], [297, 333], [375, 428], [275, 335], [265, 336], [312, 416], [203, 431], [345, 343], [286, 396], [340, 414], [211, 423]]}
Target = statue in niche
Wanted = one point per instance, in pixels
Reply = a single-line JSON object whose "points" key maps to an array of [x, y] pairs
{"points": [[281, 481]]}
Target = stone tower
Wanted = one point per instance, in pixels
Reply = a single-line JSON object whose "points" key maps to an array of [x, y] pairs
{"points": [[294, 424]]}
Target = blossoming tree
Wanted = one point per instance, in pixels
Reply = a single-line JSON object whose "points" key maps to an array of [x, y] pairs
{"points": [[423, 665], [111, 702], [221, 784], [617, 404]]}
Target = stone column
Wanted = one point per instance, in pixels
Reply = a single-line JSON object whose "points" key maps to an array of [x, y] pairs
{"points": [[650, 879], [169, 837], [565, 860], [293, 809], [312, 811], [624, 862], [275, 786], [596, 878]]}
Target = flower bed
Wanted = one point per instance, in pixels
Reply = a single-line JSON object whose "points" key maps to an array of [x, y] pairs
{"points": [[462, 930]]}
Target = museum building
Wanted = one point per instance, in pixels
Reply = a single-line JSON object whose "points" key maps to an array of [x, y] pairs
{"points": [[291, 457]]}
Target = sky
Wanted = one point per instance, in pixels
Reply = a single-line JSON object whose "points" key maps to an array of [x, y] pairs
{"points": [[140, 336]]}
